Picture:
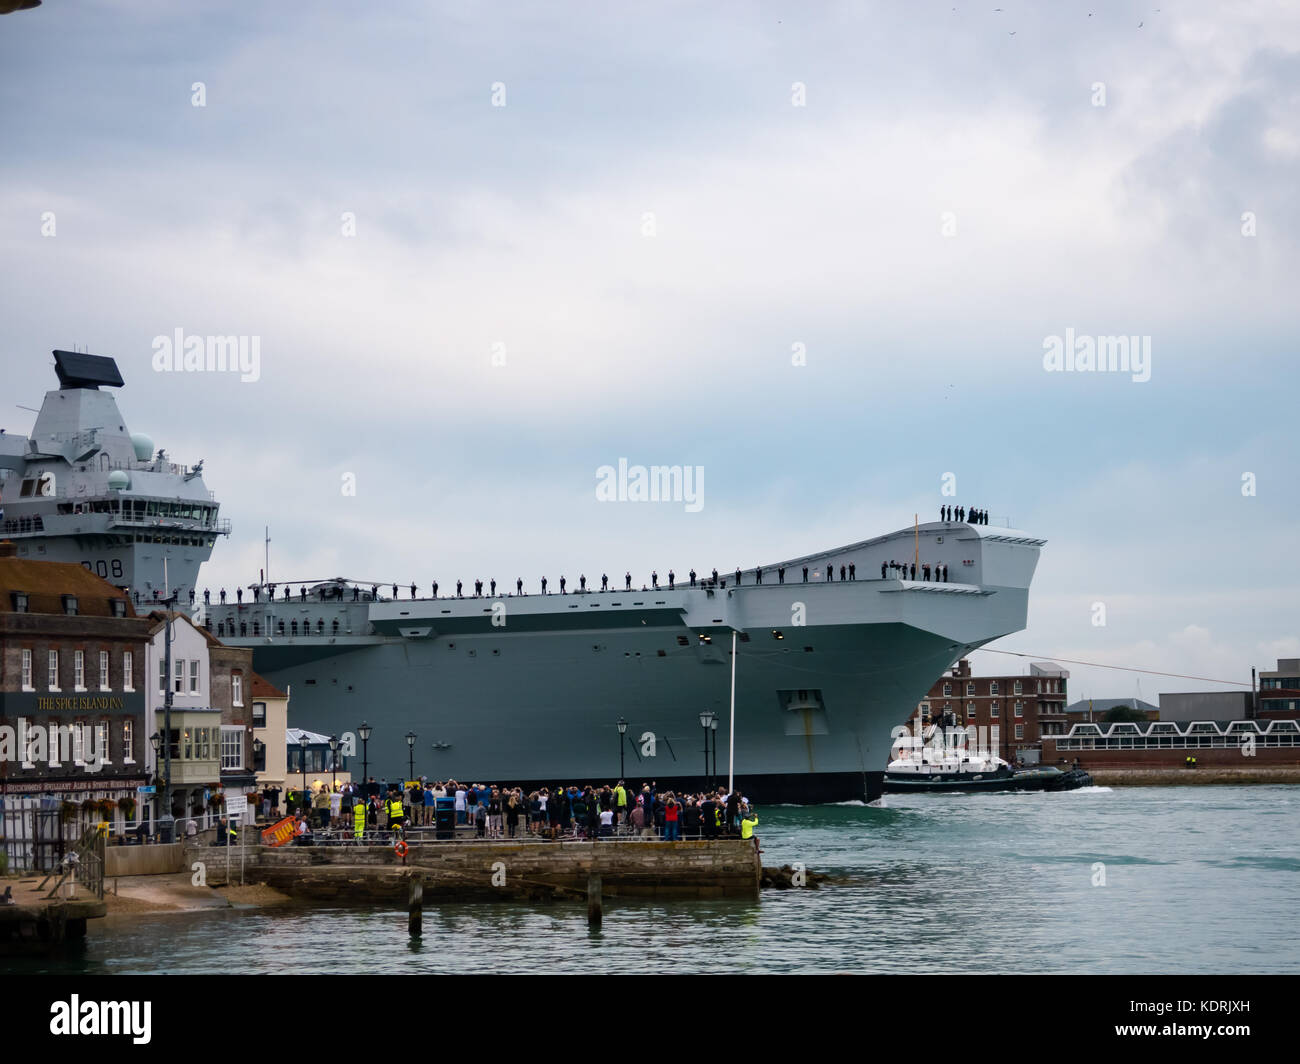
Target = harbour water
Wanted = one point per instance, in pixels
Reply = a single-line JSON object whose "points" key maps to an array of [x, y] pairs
{"points": [[1196, 880]]}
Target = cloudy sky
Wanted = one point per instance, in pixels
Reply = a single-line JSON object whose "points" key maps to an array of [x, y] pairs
{"points": [[487, 248]]}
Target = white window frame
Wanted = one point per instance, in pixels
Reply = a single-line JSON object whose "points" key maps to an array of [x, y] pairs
{"points": [[947, 689], [1020, 708], [993, 688], [236, 690], [162, 676], [194, 676], [79, 743], [104, 678], [128, 742], [178, 677], [78, 670], [1018, 688], [993, 709], [970, 688], [53, 674], [1020, 731], [27, 749], [103, 741], [128, 670], [232, 738], [27, 670]]}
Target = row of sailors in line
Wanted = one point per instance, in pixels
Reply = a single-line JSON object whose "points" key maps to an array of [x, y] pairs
{"points": [[960, 513], [907, 571], [847, 572]]}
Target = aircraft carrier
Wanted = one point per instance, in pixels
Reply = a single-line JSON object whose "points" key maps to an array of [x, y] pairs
{"points": [[545, 688]]}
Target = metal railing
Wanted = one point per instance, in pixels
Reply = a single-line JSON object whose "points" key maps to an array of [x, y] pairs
{"points": [[84, 865]]}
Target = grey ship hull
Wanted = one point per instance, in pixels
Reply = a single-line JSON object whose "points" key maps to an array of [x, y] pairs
{"points": [[536, 698]]}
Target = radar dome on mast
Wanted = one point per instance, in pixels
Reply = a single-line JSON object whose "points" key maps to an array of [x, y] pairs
{"points": [[143, 446]]}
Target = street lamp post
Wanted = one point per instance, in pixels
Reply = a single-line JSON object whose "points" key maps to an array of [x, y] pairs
{"points": [[156, 741], [410, 747], [334, 760], [166, 822], [706, 722], [713, 726], [303, 743], [622, 730], [364, 732]]}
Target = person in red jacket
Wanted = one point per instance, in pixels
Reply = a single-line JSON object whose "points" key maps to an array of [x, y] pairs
{"points": [[672, 822]]}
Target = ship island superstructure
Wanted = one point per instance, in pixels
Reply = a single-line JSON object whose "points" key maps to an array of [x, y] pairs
{"points": [[83, 489]]}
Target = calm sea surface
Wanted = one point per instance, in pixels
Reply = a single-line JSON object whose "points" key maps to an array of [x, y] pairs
{"points": [[1197, 879]]}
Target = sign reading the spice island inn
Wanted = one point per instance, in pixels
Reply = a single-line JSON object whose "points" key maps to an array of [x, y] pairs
{"points": [[80, 704], [87, 704]]}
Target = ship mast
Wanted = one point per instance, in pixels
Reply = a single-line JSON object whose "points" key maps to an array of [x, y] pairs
{"points": [[731, 752]]}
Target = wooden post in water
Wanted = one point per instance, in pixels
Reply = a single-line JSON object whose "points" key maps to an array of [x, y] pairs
{"points": [[415, 908], [594, 913]]}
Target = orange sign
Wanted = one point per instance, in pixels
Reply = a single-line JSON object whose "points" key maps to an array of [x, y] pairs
{"points": [[279, 834]]}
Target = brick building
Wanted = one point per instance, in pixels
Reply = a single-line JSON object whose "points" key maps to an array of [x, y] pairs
{"points": [[1022, 709], [212, 714], [1279, 690], [73, 732]]}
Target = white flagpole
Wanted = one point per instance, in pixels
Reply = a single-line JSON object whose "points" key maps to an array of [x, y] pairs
{"points": [[731, 753]]}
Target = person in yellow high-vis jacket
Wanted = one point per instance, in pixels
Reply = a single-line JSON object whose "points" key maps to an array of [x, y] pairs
{"points": [[396, 814], [358, 819], [747, 823]]}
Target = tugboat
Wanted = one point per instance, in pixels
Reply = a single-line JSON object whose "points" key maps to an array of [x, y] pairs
{"points": [[935, 768]]}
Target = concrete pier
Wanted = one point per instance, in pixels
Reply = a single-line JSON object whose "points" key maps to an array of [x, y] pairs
{"points": [[479, 870], [37, 924]]}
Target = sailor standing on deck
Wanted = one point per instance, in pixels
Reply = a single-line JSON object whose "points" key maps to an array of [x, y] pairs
{"points": [[519, 585], [604, 581], [627, 581]]}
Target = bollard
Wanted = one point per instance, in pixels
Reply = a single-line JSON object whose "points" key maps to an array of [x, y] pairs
{"points": [[415, 908], [593, 900]]}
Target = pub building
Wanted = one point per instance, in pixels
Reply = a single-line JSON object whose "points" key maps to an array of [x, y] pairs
{"points": [[73, 736]]}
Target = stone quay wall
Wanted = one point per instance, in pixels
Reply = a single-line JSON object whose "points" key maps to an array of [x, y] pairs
{"points": [[715, 868]]}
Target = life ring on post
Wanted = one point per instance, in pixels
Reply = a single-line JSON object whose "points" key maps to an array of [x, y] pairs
{"points": [[401, 849]]}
